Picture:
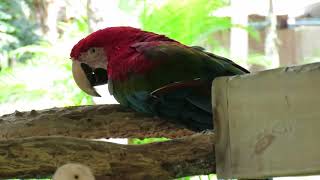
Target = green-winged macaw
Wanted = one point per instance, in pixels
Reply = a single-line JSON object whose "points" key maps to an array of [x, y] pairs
{"points": [[151, 73]]}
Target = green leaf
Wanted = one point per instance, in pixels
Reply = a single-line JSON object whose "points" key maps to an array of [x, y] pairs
{"points": [[186, 21], [6, 27], [147, 140], [8, 38], [41, 48], [5, 16]]}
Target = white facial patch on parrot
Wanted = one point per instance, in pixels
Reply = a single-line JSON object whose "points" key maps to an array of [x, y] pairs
{"points": [[95, 58]]}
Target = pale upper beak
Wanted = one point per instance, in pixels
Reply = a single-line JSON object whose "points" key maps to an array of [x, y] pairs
{"points": [[86, 77]]}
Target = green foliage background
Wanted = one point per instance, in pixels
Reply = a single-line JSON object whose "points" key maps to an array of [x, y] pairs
{"points": [[16, 27], [188, 21], [41, 71]]}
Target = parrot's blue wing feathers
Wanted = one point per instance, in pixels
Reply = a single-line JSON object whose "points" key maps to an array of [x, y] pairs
{"points": [[177, 104], [196, 94], [181, 101], [138, 101]]}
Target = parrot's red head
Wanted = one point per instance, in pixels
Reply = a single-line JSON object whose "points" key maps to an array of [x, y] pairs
{"points": [[92, 54], [106, 38]]}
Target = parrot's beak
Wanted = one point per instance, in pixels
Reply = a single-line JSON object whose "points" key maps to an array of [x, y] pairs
{"points": [[86, 77]]}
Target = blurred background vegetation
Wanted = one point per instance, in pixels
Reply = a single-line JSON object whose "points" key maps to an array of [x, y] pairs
{"points": [[36, 37]]}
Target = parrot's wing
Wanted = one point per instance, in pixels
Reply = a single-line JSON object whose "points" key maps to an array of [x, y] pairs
{"points": [[196, 55], [179, 85], [199, 48], [197, 90]]}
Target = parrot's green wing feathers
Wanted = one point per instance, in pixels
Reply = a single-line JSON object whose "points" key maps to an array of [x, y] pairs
{"points": [[178, 84], [188, 60], [232, 64]]}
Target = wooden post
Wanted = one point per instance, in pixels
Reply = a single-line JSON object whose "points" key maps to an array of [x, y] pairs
{"points": [[268, 123]]}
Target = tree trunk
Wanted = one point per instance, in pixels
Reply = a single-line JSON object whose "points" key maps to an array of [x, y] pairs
{"points": [[90, 16], [239, 36], [41, 11], [271, 41], [40, 156]]}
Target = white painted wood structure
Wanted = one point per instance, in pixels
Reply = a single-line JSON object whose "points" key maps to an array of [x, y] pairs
{"points": [[268, 123]]}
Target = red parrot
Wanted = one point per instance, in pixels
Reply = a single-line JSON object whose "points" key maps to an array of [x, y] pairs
{"points": [[151, 73]]}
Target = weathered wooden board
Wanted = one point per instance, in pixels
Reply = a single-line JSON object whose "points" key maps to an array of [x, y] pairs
{"points": [[268, 123]]}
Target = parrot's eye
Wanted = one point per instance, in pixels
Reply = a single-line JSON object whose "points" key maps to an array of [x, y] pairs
{"points": [[92, 50]]}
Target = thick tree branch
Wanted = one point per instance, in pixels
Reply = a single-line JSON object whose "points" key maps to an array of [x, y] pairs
{"points": [[98, 121], [40, 156]]}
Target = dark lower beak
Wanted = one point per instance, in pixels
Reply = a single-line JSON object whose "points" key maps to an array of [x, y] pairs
{"points": [[86, 77]]}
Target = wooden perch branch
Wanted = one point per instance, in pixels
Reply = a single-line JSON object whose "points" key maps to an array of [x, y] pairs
{"points": [[24, 156], [40, 156], [98, 121]]}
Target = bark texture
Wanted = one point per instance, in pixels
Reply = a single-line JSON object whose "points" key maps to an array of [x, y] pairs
{"points": [[98, 121], [40, 156]]}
